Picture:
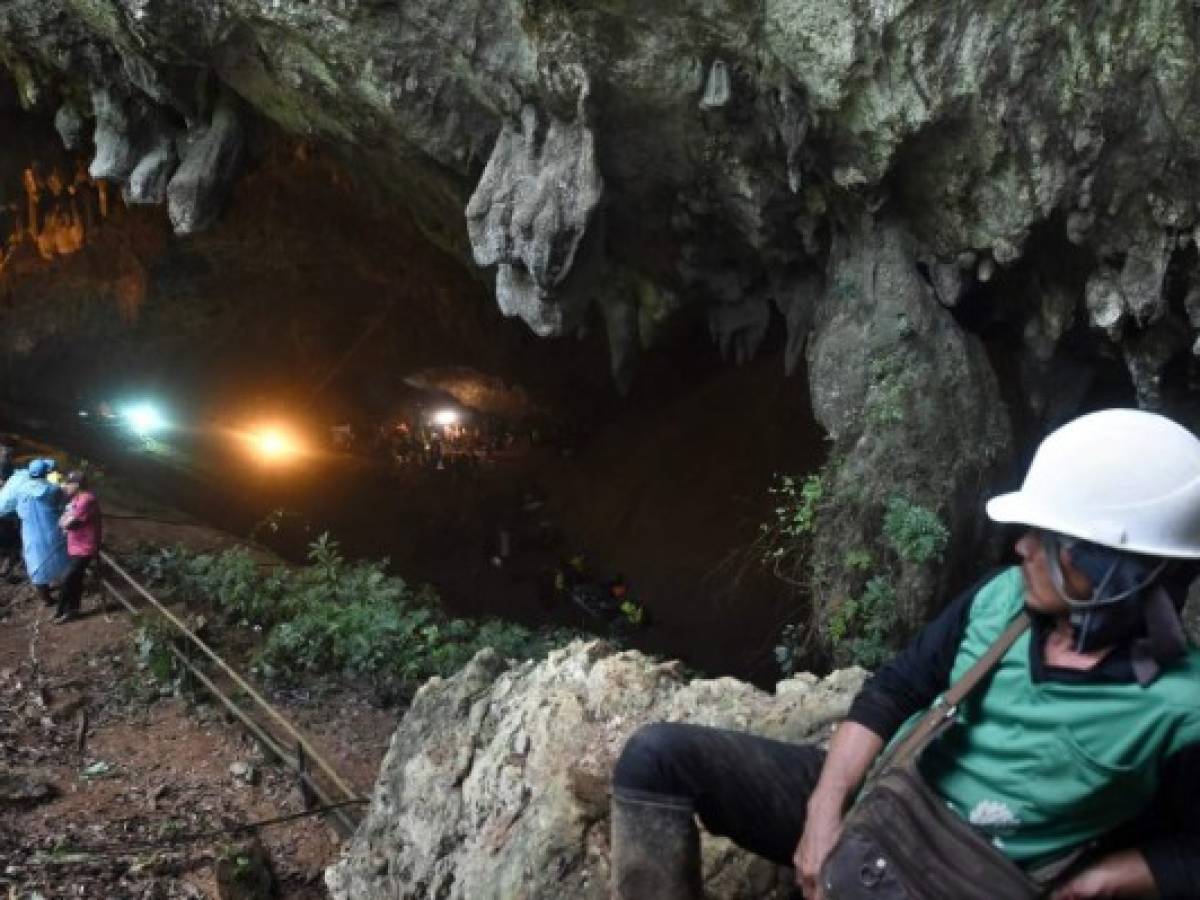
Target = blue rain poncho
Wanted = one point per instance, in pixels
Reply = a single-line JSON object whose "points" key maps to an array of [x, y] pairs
{"points": [[37, 503]]}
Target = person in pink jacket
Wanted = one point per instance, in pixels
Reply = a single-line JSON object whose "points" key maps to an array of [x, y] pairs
{"points": [[82, 523]]}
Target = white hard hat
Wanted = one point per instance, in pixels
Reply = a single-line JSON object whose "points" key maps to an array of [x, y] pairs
{"points": [[1121, 478]]}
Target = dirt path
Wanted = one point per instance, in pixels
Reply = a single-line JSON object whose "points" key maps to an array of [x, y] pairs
{"points": [[153, 765]]}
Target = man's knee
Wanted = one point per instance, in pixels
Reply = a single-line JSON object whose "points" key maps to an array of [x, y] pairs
{"points": [[651, 757]]}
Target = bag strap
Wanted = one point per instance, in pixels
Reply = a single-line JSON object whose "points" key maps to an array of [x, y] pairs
{"points": [[946, 707]]}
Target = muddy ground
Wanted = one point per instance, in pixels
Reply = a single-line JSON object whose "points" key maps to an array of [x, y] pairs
{"points": [[154, 765]]}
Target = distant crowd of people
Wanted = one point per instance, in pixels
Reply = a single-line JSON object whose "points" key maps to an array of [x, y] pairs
{"points": [[52, 526], [437, 447], [457, 447]]}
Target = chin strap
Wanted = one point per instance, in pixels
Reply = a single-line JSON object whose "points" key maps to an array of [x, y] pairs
{"points": [[1165, 639], [1125, 600]]}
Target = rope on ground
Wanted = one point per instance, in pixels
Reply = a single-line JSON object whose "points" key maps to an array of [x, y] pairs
{"points": [[76, 853], [269, 742], [238, 679], [157, 521]]}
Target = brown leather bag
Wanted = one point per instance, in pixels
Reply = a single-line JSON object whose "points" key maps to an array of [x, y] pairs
{"points": [[901, 842]]}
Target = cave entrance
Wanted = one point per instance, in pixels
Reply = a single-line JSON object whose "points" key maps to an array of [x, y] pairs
{"points": [[435, 432]]}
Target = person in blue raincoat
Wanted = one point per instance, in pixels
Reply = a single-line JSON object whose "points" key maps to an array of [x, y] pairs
{"points": [[37, 503]]}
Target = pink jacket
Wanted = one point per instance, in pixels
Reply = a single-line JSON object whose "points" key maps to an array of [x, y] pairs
{"points": [[83, 537]]}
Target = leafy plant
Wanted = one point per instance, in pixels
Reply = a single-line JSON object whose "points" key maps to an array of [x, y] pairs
{"points": [[867, 622], [334, 615], [858, 559], [916, 533], [888, 390], [152, 641], [798, 502]]}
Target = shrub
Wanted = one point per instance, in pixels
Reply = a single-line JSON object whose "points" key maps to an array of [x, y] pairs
{"points": [[867, 622], [337, 616], [798, 502], [890, 390], [914, 532], [862, 628]]}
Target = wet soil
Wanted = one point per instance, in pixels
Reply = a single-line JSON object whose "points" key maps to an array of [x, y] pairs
{"points": [[154, 765]]}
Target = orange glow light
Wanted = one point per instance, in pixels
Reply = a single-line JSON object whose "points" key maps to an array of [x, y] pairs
{"points": [[273, 444]]}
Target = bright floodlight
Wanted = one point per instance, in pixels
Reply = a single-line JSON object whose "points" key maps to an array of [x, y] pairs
{"points": [[274, 444], [445, 417], [145, 419]]}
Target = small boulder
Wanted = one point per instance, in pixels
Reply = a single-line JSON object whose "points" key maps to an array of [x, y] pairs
{"points": [[24, 789], [244, 772]]}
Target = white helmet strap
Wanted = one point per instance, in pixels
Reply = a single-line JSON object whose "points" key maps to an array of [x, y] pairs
{"points": [[1052, 543]]}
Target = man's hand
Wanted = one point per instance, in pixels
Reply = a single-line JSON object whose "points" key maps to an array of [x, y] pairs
{"points": [[821, 830], [1123, 874], [851, 752], [1090, 884]]}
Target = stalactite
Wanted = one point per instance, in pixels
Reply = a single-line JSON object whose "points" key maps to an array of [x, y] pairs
{"points": [[33, 196], [60, 213]]}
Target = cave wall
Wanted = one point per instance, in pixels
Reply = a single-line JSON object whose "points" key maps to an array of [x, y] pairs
{"points": [[874, 175]]}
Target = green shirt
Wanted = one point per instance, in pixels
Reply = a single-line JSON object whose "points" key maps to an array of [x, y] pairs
{"points": [[1044, 767]]}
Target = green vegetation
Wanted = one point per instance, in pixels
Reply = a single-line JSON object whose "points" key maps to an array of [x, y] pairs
{"points": [[152, 640], [859, 560], [794, 517], [862, 627], [867, 623], [888, 391], [333, 616], [915, 533]]}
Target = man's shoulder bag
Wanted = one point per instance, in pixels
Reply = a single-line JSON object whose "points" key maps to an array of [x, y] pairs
{"points": [[901, 841]]}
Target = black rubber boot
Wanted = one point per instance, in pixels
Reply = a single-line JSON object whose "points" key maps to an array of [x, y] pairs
{"points": [[655, 847], [43, 591]]}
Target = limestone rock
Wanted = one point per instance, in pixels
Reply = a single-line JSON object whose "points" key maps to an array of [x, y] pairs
{"points": [[149, 179], [69, 124], [912, 407], [739, 330], [116, 150], [734, 125], [197, 191], [531, 210], [496, 782]]}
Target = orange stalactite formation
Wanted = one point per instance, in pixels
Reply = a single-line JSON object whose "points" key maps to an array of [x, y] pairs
{"points": [[59, 212]]}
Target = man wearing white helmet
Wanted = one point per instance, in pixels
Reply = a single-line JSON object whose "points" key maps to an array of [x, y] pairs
{"points": [[1077, 757]]}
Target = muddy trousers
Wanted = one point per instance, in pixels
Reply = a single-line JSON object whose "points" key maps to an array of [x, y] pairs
{"points": [[749, 789], [71, 595]]}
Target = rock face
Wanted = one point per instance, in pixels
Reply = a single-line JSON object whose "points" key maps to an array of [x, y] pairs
{"points": [[913, 409], [531, 211], [496, 782], [733, 138]]}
